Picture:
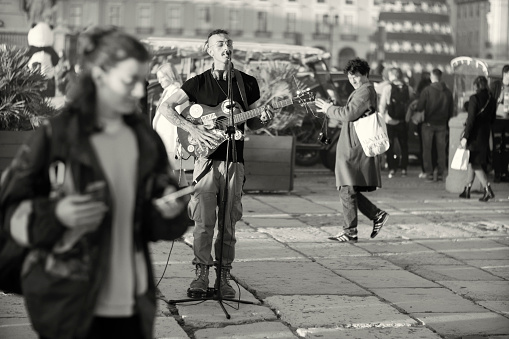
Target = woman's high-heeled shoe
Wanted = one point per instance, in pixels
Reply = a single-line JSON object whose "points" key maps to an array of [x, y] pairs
{"points": [[488, 194], [466, 192]]}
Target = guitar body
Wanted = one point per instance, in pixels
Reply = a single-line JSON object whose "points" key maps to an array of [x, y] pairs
{"points": [[214, 119], [217, 119]]}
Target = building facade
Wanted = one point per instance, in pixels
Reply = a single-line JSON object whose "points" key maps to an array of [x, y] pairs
{"points": [[344, 27], [481, 28]]}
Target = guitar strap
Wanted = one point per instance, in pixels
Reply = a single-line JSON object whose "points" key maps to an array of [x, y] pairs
{"points": [[202, 174], [242, 89]]}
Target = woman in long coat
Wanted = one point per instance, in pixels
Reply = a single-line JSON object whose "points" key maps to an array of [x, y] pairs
{"points": [[476, 136], [355, 172]]}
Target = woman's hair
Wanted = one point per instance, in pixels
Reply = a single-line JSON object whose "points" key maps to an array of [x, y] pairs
{"points": [[423, 83], [170, 72], [104, 47], [357, 65], [397, 72], [480, 83]]}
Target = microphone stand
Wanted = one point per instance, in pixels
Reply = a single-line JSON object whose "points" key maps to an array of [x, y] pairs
{"points": [[230, 132]]}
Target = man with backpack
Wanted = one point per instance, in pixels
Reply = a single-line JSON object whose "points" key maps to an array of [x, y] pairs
{"points": [[393, 107]]}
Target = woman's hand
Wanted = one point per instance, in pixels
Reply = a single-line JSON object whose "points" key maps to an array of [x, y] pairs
{"points": [[322, 105], [80, 211], [463, 143], [169, 208]]}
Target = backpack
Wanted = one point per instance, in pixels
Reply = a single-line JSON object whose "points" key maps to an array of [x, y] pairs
{"points": [[399, 102]]}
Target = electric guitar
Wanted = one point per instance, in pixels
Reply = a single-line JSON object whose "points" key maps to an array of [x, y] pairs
{"points": [[217, 119]]}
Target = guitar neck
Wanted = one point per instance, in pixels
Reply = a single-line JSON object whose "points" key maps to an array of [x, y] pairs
{"points": [[243, 116]]}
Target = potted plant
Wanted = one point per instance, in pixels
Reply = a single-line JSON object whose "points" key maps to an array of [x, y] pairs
{"points": [[22, 106]]}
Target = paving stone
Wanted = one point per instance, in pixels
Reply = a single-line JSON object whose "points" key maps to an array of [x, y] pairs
{"points": [[265, 330], [451, 272], [369, 333], [357, 263], [289, 278], [12, 306], [265, 250], [497, 306], [199, 313], [424, 300], [274, 222], [461, 325], [320, 220], [469, 249], [303, 311], [445, 245], [302, 234], [480, 290], [395, 247], [329, 250], [295, 205], [372, 279], [168, 328], [405, 259], [14, 328], [425, 230]]}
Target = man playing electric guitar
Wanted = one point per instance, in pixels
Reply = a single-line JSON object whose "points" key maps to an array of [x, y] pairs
{"points": [[210, 88]]}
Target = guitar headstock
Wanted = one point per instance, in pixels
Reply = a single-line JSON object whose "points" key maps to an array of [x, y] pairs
{"points": [[304, 97]]}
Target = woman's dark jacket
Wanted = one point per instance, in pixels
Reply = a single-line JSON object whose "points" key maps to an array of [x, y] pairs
{"points": [[69, 314], [478, 125]]}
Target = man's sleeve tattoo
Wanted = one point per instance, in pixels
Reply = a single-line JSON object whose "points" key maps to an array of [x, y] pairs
{"points": [[172, 116]]}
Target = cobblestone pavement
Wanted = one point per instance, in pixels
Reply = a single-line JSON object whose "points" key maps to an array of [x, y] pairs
{"points": [[438, 269]]}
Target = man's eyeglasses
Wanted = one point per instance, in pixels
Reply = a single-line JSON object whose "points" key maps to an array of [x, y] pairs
{"points": [[220, 44]]}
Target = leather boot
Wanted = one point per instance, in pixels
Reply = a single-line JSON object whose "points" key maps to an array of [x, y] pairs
{"points": [[466, 192], [223, 283], [200, 283], [488, 194]]}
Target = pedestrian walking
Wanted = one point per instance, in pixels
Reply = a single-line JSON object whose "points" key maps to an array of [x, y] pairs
{"points": [[500, 92], [476, 137], [80, 195], [394, 103], [210, 88], [355, 172], [437, 103]]}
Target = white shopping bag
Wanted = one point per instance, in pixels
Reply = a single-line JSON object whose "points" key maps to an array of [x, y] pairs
{"points": [[372, 133], [460, 159]]}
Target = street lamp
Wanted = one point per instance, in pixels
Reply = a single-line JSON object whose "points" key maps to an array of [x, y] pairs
{"points": [[331, 24]]}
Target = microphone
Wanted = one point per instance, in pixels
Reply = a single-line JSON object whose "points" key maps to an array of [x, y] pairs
{"points": [[228, 53]]}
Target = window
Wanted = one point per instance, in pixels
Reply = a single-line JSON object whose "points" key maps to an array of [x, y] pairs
{"points": [[115, 15], [76, 16], [349, 2], [204, 19], [291, 19], [173, 17], [145, 16], [320, 1], [262, 21], [348, 23], [321, 23], [234, 19]]}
